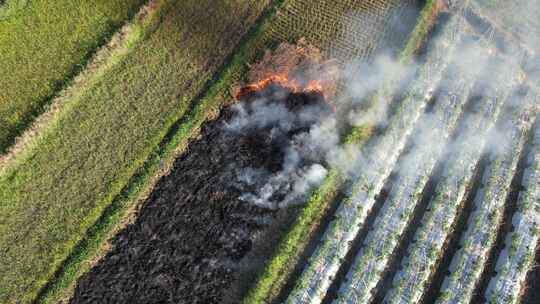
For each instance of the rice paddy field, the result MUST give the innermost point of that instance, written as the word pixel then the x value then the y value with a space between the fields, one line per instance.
pixel 43 45
pixel 130 173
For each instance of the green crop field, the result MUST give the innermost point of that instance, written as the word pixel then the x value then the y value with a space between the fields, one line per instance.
pixel 108 95
pixel 53 193
pixel 43 44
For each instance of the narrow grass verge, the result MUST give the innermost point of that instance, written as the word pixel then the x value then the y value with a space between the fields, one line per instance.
pixel 43 45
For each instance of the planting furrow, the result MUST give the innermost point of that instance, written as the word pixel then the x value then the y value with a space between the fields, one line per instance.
pixel 380 156
pixel 415 170
pixel 437 224
pixel 517 257
pixel 468 264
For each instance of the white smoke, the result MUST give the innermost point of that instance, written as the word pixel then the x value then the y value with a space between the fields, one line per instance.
pixel 302 168
pixel 322 144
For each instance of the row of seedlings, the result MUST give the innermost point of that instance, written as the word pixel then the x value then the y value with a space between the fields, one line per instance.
pixel 468 263
pixel 415 170
pixel 275 274
pixel 427 249
pixel 379 157
pixel 517 257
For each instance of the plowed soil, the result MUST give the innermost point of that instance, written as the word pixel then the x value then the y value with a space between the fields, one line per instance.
pixel 190 237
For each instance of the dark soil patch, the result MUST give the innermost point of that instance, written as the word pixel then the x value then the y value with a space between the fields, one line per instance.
pixel 532 291
pixel 190 236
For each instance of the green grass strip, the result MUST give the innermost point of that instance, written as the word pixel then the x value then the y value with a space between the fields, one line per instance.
pixel 288 254
pixel 43 45
pixel 418 37
pixel 58 189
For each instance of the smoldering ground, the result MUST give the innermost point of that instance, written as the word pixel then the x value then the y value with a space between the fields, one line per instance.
pixel 287 127
pixel 192 232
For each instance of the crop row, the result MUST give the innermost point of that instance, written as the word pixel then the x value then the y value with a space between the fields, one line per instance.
pixel 380 155
pixel 425 252
pixel 415 169
pixel 60 186
pixel 517 257
pixel 279 267
pixel 468 263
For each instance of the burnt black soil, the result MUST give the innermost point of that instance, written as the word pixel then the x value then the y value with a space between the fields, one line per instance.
pixel 532 292
pixel 188 241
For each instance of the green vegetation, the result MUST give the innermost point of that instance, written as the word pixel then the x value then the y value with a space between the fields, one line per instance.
pixel 344 29
pixel 279 267
pixel 43 44
pixel 57 189
pixel 262 37
pixel 417 38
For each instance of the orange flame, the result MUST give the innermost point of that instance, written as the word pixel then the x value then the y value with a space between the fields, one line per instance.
pixel 283 80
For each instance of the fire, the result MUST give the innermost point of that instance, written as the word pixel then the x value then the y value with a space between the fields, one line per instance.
pixel 283 80
pixel 314 86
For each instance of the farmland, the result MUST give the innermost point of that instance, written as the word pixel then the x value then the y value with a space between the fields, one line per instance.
pixel 53 41
pixel 370 277
pixel 146 87
pixel 163 167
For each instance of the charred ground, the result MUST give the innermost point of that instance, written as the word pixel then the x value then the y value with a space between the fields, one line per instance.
pixel 191 234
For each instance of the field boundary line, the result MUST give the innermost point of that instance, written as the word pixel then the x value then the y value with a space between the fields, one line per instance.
pixel 123 208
